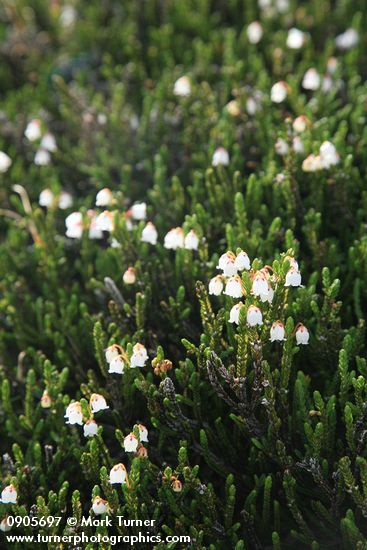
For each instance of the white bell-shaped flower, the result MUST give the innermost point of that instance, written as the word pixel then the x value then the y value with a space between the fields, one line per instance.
pixel 46 198
pixel 267 296
pixel 131 443
pixel 191 240
pixel 220 157
pixel 254 316
pixel 182 87
pixel 293 278
pixel 298 146
pixel 5 524
pixel 117 365
pixel 174 239
pixel 112 352
pixel 5 162
pixel 33 131
pixel 42 157
pixel 348 39
pixel 74 225
pixel 234 287
pixel 99 506
pixel 143 433
pixel 139 356
pixel 259 284
pixel 329 154
pixel 65 200
pixel 302 335
pixel 104 197
pixel 279 92
pixel 216 285
pixel 97 403
pixel 300 124
pixel 105 221
pixel 242 261
pixel 295 39
pixel 149 234
pixel 254 32
pixel 9 495
pixel 118 474
pixel 281 147
pixel 139 211
pixel 277 332
pixel 74 413
pixel 312 163
pixel 90 428
pixel 234 315
pixel 311 80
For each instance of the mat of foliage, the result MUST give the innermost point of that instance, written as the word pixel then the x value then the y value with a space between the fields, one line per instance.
pixel 252 443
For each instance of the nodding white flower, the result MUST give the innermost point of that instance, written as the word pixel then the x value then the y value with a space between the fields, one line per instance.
pixel 112 352
pixel 254 316
pixel 90 428
pixel 267 296
pixel 216 285
pixel 281 147
pixel 48 142
pixel 242 261
pixel 191 240
pixel 279 92
pixel 94 231
pixel 149 234
pixel 139 356
pixel 279 178
pixel 259 284
pixel 300 124
pixel 233 108
pixel 143 433
pixel 99 506
pixel 234 287
pixel 9 495
pixel 139 211
pixel 234 315
pixel 98 403
pixel 105 221
pixel 68 15
pixel 5 162
pixel 74 225
pixel 118 474
pixel 182 86
pixel 131 443
pixel 102 119
pixel 129 277
pixel 4 525
pixel 104 197
pixel 348 39
pixel 46 198
pixel 277 332
pixel 46 400
pixel 302 335
pixel 293 263
pixel 74 413
pixel 220 157
pixel 254 32
pixel 293 278
pixel 311 80
pixel 224 259
pixel 251 106
pixel 312 163
pixel 33 130
pixel 329 154
pixel 297 144
pixel 295 39
pixel 42 157
pixel 117 365
pixel 174 239
pixel 65 200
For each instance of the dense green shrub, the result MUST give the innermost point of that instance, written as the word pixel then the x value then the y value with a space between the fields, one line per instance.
pixel 252 443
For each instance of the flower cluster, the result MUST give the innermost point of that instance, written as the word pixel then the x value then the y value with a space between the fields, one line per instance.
pixel 327 157
pixel 176 238
pixel 118 360
pixel 35 132
pixel 74 414
pixel 264 284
